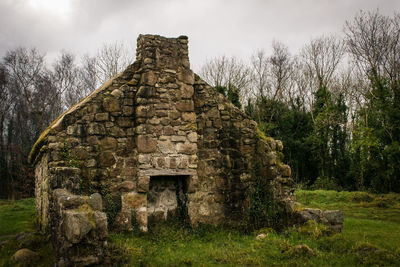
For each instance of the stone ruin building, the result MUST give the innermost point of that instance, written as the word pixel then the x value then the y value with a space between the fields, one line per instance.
pixel 154 141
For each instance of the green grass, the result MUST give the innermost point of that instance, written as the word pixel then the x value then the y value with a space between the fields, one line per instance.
pixel 368 217
pixel 18 218
pixel 370 237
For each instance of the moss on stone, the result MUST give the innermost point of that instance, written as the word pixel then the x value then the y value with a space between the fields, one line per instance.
pixel 261 135
pixel 43 136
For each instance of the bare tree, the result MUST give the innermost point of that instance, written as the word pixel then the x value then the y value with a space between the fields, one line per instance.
pixel 5 100
pixel 111 59
pixel 374 42
pixel 230 73
pixel 66 78
pixel 5 104
pixel 321 57
pixel 260 76
pixel 34 96
pixel 281 70
pixel 33 99
pixel 88 74
pixel 301 92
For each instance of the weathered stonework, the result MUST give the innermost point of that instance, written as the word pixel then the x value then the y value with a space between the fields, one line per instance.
pixel 79 228
pixel 154 141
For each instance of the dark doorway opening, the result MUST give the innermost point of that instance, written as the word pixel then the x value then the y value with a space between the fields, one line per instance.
pixel 167 199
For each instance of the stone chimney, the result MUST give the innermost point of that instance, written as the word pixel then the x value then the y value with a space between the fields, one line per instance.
pixel 157 52
pixel 166 128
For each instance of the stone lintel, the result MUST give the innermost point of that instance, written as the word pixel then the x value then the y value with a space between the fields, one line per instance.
pixel 169 172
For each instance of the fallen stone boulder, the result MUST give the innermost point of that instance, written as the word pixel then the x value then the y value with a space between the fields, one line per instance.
pixel 332 218
pixel 25 256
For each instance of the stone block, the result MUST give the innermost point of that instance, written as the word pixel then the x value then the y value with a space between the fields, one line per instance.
pixel 133 200
pixel 185 105
pixel 106 159
pixel 96 129
pixel 189 116
pixel 166 147
pixel 111 104
pixel 100 219
pixel 130 131
pixel 192 137
pixel 183 163
pixel 285 170
pixel 80 152
pixel 95 201
pixel 174 114
pixel 143 158
pixel 334 216
pixel 146 144
pixel 116 131
pixel 117 93
pixel 124 122
pixel 108 143
pixel 83 261
pixel 178 138
pixel 127 110
pixel 141 219
pixel 270 159
pixel 154 121
pixel 172 163
pixel 279 145
pixel 168 130
pixel 165 121
pixel 187 91
pixel 76 225
pixel 272 144
pixel 56 146
pixel 145 92
pixel 102 116
pixel 25 256
pixel 143 183
pixel 193 183
pixel 123 220
pixel 148 78
pixel 66 200
pixel 186 76
pixel 74 130
pixel 142 111
pixel 126 186
pixel 213 113
pixel 161 162
pixel 185 148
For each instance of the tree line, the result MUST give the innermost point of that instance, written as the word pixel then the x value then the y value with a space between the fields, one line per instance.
pixel 33 94
pixel 335 104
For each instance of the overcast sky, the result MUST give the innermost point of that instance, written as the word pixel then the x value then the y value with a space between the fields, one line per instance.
pixel 214 27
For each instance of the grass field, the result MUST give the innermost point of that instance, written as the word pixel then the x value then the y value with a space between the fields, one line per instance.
pixel 370 237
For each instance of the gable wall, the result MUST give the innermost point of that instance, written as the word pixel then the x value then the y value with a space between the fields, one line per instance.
pixel 157 118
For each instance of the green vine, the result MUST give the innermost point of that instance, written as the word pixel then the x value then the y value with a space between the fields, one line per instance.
pixel 264 210
pixel 71 160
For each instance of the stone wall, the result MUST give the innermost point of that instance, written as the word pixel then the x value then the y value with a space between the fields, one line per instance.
pixel 155 119
pixel 230 146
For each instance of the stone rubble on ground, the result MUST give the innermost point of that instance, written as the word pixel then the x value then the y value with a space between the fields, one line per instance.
pixel 25 256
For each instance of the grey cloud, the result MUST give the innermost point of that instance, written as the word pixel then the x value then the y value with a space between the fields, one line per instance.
pixel 214 27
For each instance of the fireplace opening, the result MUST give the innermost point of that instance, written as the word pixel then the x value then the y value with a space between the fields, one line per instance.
pixel 167 199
